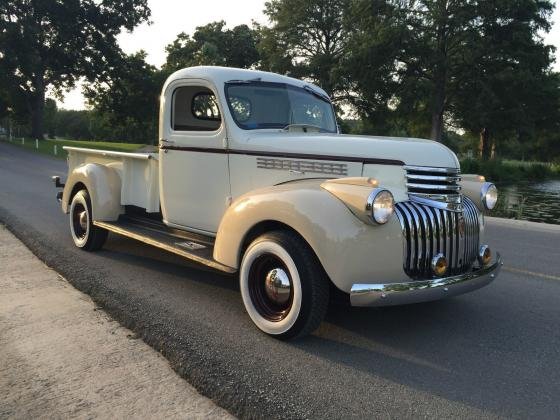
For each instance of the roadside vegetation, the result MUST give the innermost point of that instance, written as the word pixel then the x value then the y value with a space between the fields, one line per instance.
pixel 506 171
pixel 54 147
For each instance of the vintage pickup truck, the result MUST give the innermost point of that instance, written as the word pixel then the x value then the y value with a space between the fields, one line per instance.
pixel 253 176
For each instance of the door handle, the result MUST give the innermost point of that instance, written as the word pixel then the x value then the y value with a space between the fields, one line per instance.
pixel 166 141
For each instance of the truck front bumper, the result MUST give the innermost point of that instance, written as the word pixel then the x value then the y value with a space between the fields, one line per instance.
pixel 423 290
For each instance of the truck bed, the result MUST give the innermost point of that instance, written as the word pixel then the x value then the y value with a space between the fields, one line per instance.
pixel 139 173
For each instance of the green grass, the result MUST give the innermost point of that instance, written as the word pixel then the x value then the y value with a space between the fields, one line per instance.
pixel 47 146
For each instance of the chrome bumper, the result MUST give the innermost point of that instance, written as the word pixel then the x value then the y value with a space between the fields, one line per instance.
pixel 423 290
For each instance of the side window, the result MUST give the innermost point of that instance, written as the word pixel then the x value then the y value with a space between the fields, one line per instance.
pixel 205 107
pixel 195 108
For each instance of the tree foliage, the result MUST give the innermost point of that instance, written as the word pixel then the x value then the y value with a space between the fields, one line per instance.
pixel 49 44
pixel 128 100
pixel 463 72
pixel 307 39
pixel 508 90
pixel 213 45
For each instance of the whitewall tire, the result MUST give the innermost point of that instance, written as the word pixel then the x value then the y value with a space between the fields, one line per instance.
pixel 284 288
pixel 84 233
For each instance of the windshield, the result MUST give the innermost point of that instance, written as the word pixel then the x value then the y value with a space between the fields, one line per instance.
pixel 256 104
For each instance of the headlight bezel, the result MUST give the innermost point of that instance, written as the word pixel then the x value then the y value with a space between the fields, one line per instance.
pixel 484 191
pixel 371 209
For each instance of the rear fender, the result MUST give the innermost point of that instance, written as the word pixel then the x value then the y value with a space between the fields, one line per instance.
pixel 104 187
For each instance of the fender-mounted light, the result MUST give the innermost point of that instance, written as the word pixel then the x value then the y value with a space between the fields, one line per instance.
pixel 381 204
pixel 484 255
pixel 439 265
pixel 489 195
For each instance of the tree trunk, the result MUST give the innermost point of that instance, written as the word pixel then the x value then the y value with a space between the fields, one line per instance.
pixel 485 144
pixel 437 126
pixel 438 102
pixel 38 109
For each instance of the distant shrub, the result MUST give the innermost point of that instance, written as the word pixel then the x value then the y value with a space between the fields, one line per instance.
pixel 509 171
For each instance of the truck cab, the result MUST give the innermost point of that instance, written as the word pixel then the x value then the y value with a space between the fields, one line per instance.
pixel 214 123
pixel 253 176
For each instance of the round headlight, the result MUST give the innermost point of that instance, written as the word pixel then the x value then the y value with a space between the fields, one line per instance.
pixel 381 204
pixel 489 195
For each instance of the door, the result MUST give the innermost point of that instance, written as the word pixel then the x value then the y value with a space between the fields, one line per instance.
pixel 194 175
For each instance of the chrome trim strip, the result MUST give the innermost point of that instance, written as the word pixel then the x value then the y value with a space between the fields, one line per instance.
pixel 434 178
pixel 431 169
pixel 445 198
pixel 438 187
pixel 423 291
pixel 444 205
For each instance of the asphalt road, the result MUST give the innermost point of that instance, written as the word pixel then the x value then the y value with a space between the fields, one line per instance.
pixel 492 353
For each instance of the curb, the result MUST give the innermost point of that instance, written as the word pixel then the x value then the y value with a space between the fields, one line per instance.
pixel 523 224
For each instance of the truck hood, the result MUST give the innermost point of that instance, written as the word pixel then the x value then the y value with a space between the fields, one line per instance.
pixel 409 151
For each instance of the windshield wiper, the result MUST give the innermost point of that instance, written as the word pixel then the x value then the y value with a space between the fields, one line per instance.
pixel 304 127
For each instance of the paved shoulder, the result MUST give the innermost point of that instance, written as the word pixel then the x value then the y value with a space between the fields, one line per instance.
pixel 61 357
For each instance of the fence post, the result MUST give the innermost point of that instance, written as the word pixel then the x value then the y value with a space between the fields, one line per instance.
pixel 55 151
pixel 36 143
pixel 22 141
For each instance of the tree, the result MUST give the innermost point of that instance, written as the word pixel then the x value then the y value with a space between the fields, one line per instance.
pixel 369 65
pixel 508 90
pixel 51 111
pixel 211 44
pixel 74 124
pixel 307 40
pixel 128 98
pixel 50 44
pixel 434 56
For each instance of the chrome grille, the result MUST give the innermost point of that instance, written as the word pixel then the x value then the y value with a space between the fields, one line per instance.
pixel 429 231
pixel 435 185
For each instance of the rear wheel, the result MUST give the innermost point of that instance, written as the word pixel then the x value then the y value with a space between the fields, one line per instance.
pixel 84 233
pixel 283 286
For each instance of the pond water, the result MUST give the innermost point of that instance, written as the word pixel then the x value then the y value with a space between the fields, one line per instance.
pixel 534 201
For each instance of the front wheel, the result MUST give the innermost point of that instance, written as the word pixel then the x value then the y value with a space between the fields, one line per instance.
pixel 284 287
pixel 84 233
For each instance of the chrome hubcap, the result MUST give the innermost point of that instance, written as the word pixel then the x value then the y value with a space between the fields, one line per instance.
pixel 270 287
pixel 278 286
pixel 83 220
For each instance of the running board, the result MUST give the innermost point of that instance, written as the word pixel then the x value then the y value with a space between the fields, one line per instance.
pixel 187 246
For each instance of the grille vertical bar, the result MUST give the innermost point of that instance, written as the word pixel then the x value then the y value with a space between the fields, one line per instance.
pixel 428 231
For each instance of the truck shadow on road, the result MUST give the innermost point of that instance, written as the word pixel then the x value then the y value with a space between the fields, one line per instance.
pixel 461 349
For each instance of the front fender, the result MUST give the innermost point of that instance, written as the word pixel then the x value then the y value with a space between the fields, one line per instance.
pixel 350 250
pixel 104 186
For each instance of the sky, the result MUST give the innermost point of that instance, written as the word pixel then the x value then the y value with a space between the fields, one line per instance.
pixel 171 17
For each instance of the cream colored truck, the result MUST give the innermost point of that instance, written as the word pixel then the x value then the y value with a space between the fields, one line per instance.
pixel 252 176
